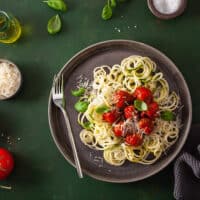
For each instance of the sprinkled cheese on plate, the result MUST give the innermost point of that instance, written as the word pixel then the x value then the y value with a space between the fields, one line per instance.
pixel 10 79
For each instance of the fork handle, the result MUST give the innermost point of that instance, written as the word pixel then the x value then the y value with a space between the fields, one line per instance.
pixel 73 145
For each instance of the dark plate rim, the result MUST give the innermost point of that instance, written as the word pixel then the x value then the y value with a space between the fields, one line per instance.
pixel 178 149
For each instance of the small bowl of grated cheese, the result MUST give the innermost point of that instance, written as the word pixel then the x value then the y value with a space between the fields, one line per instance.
pixel 10 79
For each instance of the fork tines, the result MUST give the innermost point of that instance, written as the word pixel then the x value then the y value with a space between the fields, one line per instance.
pixel 58 84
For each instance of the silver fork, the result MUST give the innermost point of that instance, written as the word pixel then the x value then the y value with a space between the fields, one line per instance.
pixel 58 99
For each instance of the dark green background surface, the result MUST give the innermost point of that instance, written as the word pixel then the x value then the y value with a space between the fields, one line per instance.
pixel 41 172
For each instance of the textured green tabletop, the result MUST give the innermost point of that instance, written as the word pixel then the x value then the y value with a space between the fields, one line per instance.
pixel 41 172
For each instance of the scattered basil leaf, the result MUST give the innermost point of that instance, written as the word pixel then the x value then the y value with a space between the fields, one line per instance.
pixel 54 24
pixel 81 106
pixel 57 4
pixel 79 92
pixel 102 109
pixel 106 12
pixel 140 105
pixel 113 3
pixel 167 115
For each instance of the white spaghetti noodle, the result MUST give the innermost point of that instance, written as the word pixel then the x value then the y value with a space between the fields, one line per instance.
pixel 134 71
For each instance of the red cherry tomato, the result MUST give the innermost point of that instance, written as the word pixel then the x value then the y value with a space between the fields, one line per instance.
pixel 129 112
pixel 143 94
pixel 118 129
pixel 111 116
pixel 146 125
pixel 6 163
pixel 152 110
pixel 134 139
pixel 122 98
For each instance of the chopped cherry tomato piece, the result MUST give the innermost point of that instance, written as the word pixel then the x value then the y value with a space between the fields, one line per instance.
pixel 122 98
pixel 143 94
pixel 6 163
pixel 152 110
pixel 146 125
pixel 129 112
pixel 118 129
pixel 134 139
pixel 111 116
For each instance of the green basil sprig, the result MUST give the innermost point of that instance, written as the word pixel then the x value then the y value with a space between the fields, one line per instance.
pixel 57 4
pixel 102 109
pixel 140 105
pixel 79 92
pixel 54 24
pixel 167 115
pixel 81 106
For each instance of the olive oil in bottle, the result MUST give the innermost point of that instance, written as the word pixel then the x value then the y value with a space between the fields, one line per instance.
pixel 10 29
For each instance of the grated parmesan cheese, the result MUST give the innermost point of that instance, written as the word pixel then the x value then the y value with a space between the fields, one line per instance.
pixel 10 79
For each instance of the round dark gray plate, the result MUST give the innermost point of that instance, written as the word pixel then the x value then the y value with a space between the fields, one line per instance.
pixel 83 63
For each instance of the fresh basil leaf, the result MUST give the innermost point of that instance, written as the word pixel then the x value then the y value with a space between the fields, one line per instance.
pixel 54 24
pixel 106 12
pixel 81 106
pixel 57 4
pixel 113 3
pixel 167 115
pixel 79 92
pixel 140 105
pixel 87 125
pixel 102 109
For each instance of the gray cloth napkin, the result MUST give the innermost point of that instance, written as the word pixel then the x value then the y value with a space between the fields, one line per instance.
pixel 187 168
